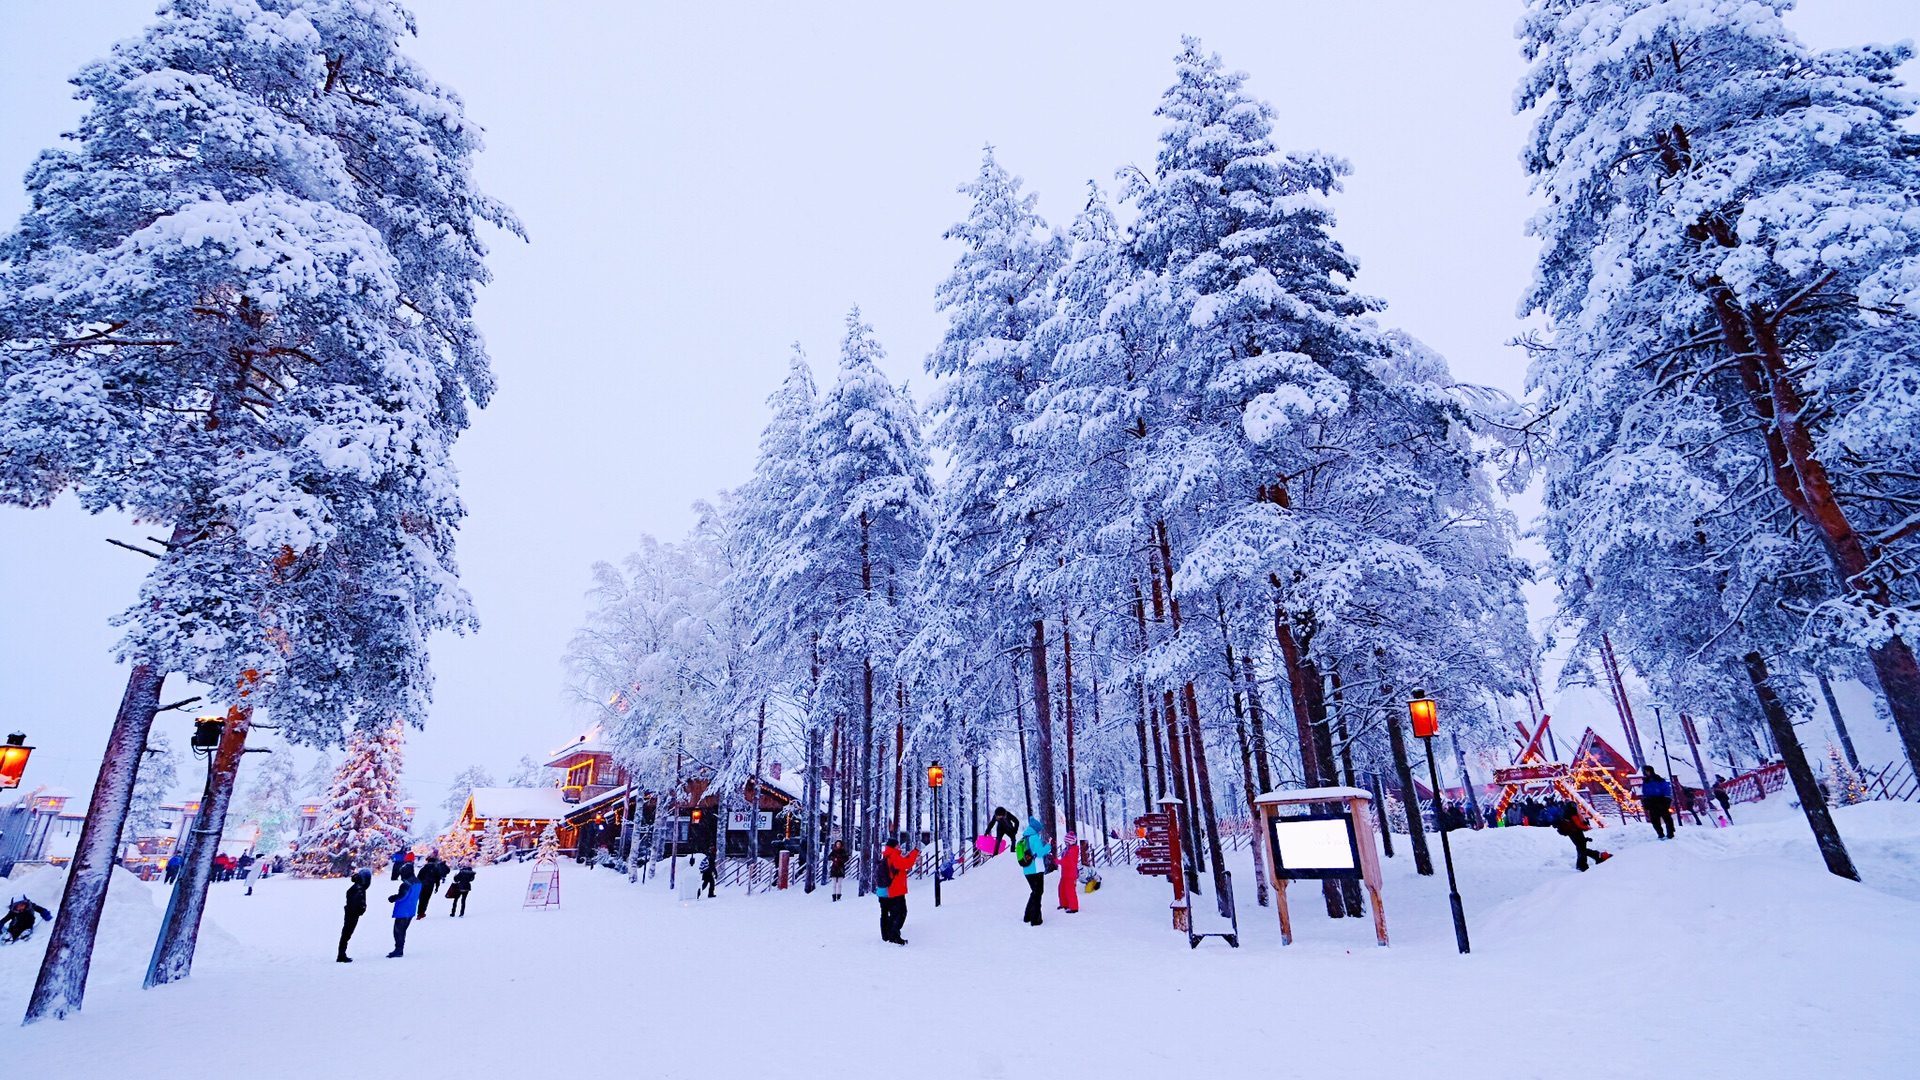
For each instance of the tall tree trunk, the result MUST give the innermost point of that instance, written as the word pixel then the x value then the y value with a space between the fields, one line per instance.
pixel 1297 686
pixel 1752 337
pixel 1176 767
pixel 1347 888
pixel 1020 729
pixel 899 747
pixel 1812 802
pixel 62 982
pixel 1197 738
pixel 753 797
pixel 810 837
pixel 1072 775
pixel 1839 724
pixel 1043 733
pixel 180 927
pixel 1140 722
pixel 1620 703
pixel 865 807
pixel 1409 795
pixel 1253 815
pixel 1263 767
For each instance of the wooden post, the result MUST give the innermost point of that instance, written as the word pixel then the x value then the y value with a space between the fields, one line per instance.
pixel 1181 916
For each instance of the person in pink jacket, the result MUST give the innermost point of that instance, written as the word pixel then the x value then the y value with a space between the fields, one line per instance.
pixel 1070 874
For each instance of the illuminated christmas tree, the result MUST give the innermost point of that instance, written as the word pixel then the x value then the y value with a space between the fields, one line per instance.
pixel 548 849
pixel 493 844
pixel 360 822
pixel 1847 786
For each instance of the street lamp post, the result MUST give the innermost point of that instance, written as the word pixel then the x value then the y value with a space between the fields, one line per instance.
pixel 936 776
pixel 1425 713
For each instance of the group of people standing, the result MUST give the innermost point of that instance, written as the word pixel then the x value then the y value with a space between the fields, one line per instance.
pixel 410 897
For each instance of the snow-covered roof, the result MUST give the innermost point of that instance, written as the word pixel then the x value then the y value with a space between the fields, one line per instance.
pixel 590 743
pixel 1312 794
pixel 523 803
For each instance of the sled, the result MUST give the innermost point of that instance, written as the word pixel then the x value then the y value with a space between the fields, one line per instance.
pixel 990 845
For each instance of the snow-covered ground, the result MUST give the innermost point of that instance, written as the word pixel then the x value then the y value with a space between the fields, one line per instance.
pixel 1724 953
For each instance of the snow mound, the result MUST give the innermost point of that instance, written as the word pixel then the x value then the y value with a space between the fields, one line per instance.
pixel 124 945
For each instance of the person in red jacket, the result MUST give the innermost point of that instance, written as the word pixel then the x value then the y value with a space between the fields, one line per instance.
pixel 894 864
pixel 1070 875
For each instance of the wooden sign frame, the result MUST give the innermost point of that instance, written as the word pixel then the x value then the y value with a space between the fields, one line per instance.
pixel 1360 826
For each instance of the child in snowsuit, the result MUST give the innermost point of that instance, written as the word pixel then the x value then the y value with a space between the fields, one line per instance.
pixel 18 925
pixel 837 866
pixel 457 892
pixel 1571 827
pixel 1070 875
pixel 1031 852
pixel 709 880
pixel 1657 796
pixel 406 904
pixel 356 907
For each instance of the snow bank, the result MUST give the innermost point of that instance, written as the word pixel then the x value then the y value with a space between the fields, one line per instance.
pixel 128 926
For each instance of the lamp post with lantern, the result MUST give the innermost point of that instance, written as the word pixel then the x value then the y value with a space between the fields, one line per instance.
pixel 13 760
pixel 1425 713
pixel 936 776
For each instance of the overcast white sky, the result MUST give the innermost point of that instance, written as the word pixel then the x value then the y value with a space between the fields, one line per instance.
pixel 706 183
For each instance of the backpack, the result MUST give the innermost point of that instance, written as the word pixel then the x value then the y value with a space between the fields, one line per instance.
pixel 1022 853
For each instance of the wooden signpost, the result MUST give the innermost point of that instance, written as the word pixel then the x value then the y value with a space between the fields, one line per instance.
pixel 1321 844
pixel 1159 854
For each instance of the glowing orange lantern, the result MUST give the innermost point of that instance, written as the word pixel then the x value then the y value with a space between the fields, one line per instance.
pixel 1426 715
pixel 13 760
pixel 936 775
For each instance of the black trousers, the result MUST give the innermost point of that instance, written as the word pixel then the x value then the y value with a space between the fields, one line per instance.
pixel 459 905
pixel 1660 816
pixel 1582 852
pixel 1037 883
pixel 426 894
pixel 346 930
pixel 400 935
pixel 893 916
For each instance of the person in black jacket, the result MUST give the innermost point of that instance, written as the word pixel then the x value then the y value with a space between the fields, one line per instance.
pixel 457 892
pixel 356 907
pixel 18 922
pixel 837 866
pixel 431 875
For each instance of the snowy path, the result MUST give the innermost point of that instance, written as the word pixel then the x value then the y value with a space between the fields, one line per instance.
pixel 1770 967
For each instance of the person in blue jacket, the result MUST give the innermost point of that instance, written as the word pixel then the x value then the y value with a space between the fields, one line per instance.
pixel 1031 852
pixel 406 904
pixel 1657 796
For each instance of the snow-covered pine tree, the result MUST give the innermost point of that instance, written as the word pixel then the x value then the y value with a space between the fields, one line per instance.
pixel 159 772
pixel 272 801
pixel 547 848
pixel 861 534
pixel 990 559
pixel 530 773
pixel 268 351
pixel 1731 261
pixel 361 822
pixel 318 777
pixel 460 787
pixel 493 843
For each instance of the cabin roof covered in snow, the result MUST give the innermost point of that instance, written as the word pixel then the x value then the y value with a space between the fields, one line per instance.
pixel 1312 794
pixel 590 743
pixel 530 804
